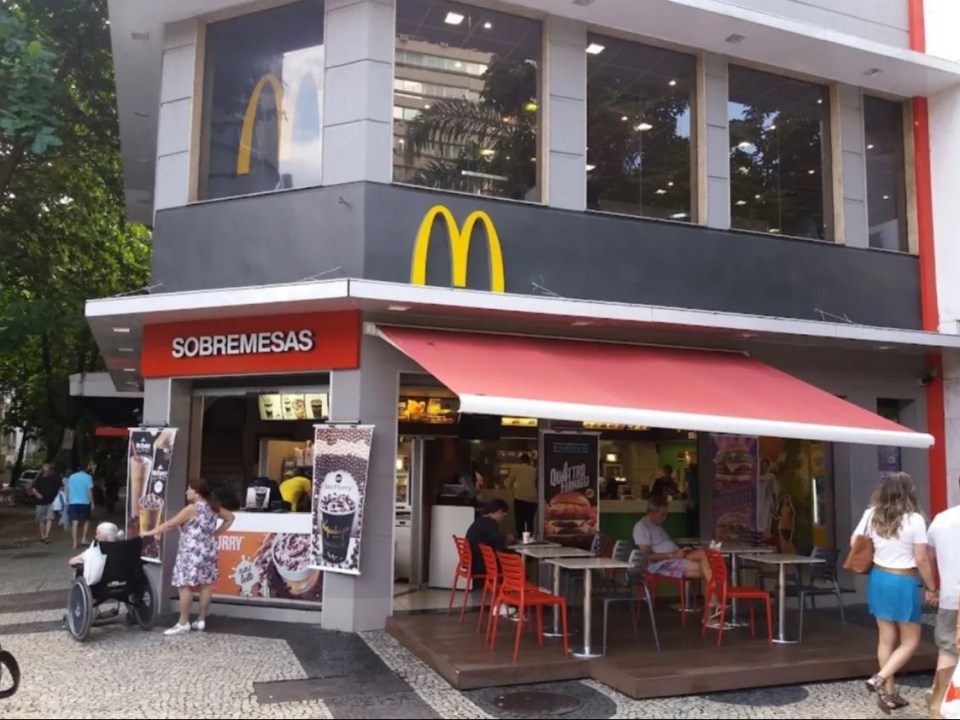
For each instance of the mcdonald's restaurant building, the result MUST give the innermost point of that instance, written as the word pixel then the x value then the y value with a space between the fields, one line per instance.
pixel 468 223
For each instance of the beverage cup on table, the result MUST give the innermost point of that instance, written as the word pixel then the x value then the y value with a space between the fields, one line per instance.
pixel 337 512
pixel 261 494
pixel 527 537
pixel 150 509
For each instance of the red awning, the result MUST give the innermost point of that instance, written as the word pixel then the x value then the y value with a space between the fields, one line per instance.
pixel 722 392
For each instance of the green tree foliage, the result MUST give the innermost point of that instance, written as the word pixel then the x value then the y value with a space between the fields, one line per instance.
pixel 63 231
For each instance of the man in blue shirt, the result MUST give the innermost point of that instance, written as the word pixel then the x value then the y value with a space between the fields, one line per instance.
pixel 79 503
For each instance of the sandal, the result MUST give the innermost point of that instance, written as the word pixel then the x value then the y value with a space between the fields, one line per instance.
pixel 874 684
pixel 889 702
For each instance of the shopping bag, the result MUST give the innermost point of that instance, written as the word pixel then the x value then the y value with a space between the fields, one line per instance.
pixel 58 502
pixel 950 707
pixel 94 562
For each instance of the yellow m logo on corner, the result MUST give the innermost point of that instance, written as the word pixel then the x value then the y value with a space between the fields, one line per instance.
pixel 459 248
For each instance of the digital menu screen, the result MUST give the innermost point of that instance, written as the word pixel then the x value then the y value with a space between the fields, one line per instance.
pixel 294 406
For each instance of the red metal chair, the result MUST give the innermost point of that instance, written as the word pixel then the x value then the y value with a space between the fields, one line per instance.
pixel 654 580
pixel 491 583
pixel 463 571
pixel 516 592
pixel 719 587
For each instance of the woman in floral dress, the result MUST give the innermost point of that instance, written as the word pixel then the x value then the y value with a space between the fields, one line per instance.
pixel 196 564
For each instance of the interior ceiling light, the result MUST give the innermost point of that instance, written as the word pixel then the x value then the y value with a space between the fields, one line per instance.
pixel 591 168
pixel 487 25
pixel 870 146
pixel 121 330
pixel 661 191
pixel 741 202
pixel 595 48
pixel 873 71
pixel 672 83
pixel 678 216
pixel 735 38
pixel 453 18
pixel 583 3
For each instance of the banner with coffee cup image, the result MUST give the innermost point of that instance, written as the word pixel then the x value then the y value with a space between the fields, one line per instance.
pixel 149 454
pixel 340 464
pixel 569 487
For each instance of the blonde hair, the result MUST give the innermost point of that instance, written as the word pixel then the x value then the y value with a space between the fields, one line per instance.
pixel 108 531
pixel 892 502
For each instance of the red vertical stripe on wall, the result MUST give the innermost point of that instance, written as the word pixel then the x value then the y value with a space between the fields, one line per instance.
pixel 936 411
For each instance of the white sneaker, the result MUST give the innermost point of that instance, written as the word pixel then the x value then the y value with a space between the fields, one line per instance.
pixel 199 625
pixel 178 629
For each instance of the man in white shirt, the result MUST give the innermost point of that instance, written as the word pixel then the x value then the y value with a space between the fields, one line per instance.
pixel 664 555
pixel 523 479
pixel 943 539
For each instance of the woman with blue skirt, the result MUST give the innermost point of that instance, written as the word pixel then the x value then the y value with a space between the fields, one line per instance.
pixel 900 562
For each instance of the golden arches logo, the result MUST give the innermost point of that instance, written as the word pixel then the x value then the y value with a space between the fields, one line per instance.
pixel 285 116
pixel 459 248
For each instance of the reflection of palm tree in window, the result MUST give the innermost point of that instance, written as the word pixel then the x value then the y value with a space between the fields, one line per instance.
pixel 486 146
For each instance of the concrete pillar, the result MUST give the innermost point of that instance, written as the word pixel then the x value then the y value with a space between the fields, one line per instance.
pixel 176 155
pixel 855 230
pixel 166 402
pixel 564 100
pixel 951 396
pixel 368 395
pixel 358 91
pixel 715 210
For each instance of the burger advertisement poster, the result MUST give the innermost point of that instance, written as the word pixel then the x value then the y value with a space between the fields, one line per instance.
pixel 340 463
pixel 735 482
pixel 570 484
pixel 149 455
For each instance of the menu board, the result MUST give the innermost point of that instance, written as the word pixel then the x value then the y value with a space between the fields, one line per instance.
pixel 435 411
pixel 614 426
pixel 294 406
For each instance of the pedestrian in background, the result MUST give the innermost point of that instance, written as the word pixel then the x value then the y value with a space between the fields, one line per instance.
pixel 899 534
pixel 45 489
pixel 80 503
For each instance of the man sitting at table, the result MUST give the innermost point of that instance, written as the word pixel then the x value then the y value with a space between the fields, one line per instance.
pixel 485 530
pixel 664 555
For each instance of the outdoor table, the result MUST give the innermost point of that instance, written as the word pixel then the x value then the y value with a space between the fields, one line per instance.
pixel 517 547
pixel 535 552
pixel 691 542
pixel 588 565
pixel 736 550
pixel 781 561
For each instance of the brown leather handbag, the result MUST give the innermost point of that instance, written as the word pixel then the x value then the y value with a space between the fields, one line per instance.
pixel 860 557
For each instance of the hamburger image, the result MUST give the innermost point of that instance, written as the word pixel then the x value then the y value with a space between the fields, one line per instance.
pixel 734 461
pixel 570 514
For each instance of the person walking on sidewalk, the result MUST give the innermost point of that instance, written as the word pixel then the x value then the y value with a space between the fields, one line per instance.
pixel 196 564
pixel 899 535
pixel 943 539
pixel 80 503
pixel 45 489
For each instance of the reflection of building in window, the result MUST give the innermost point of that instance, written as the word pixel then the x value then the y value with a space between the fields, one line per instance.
pixel 779 154
pixel 639 101
pixel 466 104
pixel 886 173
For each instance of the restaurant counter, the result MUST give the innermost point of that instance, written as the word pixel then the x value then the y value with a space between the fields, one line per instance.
pixel 617 518
pixel 265 557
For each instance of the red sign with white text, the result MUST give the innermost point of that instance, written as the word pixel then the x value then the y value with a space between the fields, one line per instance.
pixel 253 345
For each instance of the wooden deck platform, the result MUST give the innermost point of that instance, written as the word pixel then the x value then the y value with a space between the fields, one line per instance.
pixel 687 665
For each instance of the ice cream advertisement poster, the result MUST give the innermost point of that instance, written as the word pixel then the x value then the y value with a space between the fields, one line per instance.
pixel 275 566
pixel 149 455
pixel 340 464
pixel 735 478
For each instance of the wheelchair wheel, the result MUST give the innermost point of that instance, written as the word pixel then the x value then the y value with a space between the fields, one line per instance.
pixel 9 675
pixel 80 610
pixel 144 608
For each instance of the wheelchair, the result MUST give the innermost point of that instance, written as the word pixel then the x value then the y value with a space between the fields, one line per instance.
pixel 124 582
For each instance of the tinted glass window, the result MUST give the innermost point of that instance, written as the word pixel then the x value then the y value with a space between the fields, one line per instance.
pixel 886 173
pixel 466 99
pixel 263 98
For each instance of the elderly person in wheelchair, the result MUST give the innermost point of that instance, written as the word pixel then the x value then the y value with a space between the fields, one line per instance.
pixel 123 582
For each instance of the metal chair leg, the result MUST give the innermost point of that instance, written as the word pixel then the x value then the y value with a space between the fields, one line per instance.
pixel 843 618
pixel 802 602
pixel 606 610
pixel 653 620
pixel 633 619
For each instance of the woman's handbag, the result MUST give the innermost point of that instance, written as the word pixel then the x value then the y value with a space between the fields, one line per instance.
pixel 860 557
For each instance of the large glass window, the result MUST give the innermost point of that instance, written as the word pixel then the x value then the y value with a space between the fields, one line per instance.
pixel 779 154
pixel 886 174
pixel 639 110
pixel 263 99
pixel 466 99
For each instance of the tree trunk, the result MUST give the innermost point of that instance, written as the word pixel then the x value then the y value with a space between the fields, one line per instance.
pixel 18 465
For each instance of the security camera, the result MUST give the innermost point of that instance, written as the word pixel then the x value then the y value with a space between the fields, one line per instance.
pixel 928 377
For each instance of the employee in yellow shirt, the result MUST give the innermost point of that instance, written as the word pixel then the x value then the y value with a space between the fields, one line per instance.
pixel 293 490
pixel 523 479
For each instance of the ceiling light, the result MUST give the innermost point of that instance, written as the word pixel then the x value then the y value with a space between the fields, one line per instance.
pixel 487 152
pixel 820 101
pixel 811 172
pixel 121 330
pixel 125 349
pixel 670 184
pixel 773 230
pixel 140 35
pixel 398 308
pixel 756 197
pixel 487 25
pixel 624 118
pixel 870 146
pixel 678 216
pixel 427 106
pixel 140 114
pixel 595 48
pixel 735 38
pixel 661 191
pixel 583 3
pixel 884 347
pixel 130 370
pixel 591 168
pixel 741 202
pixel 873 71
pixel 672 83
pixel 453 18
pixel 643 127
pixel 581 323
pixel 886 197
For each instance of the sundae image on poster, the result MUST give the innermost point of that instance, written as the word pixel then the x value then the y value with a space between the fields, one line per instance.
pixel 735 486
pixel 570 472
pixel 340 464
pixel 150 453
pixel 267 565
